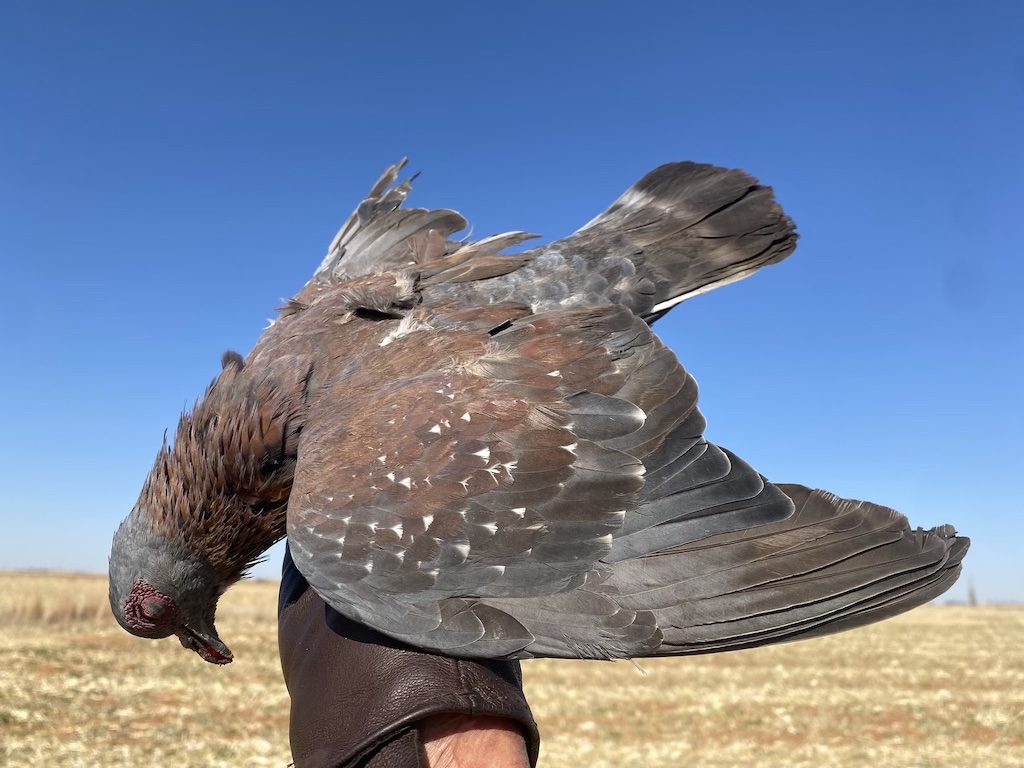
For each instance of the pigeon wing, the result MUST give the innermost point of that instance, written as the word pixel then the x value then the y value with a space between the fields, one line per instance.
pixel 473 468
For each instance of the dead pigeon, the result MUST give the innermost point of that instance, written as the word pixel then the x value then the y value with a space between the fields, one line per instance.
pixel 491 454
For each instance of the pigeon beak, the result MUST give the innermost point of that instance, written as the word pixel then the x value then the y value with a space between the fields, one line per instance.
pixel 206 644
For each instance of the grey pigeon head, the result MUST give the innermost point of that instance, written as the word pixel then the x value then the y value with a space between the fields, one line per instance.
pixel 158 590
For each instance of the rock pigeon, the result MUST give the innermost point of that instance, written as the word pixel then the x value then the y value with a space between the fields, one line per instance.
pixel 491 454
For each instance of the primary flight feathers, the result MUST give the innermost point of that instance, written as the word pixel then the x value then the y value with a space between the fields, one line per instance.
pixel 492 454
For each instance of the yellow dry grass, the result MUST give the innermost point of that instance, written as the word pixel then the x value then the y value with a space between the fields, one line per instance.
pixel 941 686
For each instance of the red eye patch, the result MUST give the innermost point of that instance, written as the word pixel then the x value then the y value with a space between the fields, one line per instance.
pixel 147 609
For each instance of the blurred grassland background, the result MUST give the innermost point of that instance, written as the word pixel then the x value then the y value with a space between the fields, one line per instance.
pixel 941 686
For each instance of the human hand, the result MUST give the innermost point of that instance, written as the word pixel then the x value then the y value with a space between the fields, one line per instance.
pixel 464 741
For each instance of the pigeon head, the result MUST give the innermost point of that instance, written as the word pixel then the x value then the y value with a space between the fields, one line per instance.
pixel 214 501
pixel 157 590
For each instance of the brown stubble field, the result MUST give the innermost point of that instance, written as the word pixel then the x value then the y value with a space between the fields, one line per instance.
pixel 942 686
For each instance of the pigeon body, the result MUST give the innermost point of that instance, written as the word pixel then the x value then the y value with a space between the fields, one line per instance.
pixel 493 455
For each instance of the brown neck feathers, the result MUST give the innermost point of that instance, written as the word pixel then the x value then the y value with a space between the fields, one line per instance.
pixel 222 487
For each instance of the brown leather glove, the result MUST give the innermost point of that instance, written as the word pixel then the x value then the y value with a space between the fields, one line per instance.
pixel 358 696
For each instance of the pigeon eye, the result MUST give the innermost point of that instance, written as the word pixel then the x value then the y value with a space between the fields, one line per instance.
pixel 153 610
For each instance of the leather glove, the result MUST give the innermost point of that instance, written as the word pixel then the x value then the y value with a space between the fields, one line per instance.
pixel 358 697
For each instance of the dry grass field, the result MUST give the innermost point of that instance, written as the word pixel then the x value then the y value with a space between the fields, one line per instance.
pixel 942 686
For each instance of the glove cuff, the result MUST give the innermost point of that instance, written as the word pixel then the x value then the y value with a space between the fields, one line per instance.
pixel 357 695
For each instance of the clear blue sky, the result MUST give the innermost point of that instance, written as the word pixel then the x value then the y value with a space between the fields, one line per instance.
pixel 169 171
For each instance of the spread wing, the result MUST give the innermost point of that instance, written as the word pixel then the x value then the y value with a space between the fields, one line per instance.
pixel 498 459
pixel 486 478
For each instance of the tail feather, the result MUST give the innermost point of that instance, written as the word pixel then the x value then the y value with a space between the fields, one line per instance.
pixel 690 228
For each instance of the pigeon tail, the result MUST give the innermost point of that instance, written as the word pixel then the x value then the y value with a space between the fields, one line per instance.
pixel 689 228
